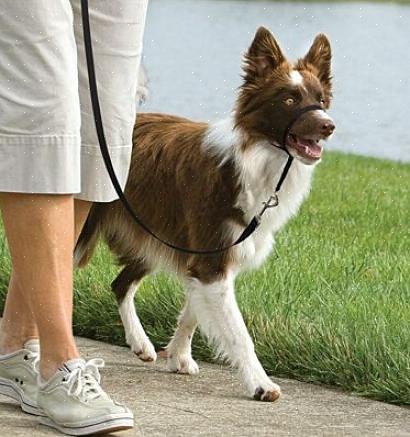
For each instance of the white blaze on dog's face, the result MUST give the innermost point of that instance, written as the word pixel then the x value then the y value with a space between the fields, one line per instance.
pixel 274 91
pixel 296 78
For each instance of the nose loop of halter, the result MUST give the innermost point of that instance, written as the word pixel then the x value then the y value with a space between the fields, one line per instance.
pixel 294 119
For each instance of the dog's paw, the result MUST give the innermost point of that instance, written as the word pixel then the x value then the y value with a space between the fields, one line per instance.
pixel 182 364
pixel 144 350
pixel 269 393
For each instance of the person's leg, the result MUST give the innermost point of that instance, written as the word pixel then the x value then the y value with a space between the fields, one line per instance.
pixel 117 29
pixel 18 324
pixel 43 260
pixel 39 143
pixel 42 264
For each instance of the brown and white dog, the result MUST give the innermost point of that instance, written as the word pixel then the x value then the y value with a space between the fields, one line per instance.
pixel 198 185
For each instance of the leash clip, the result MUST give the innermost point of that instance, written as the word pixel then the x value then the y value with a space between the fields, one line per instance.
pixel 270 203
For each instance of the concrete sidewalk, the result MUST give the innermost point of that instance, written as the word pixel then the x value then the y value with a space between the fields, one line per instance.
pixel 212 404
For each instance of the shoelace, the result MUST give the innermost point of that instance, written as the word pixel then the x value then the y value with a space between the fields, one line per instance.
pixel 84 381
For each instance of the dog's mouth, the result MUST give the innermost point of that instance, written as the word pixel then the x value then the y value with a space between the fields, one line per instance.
pixel 307 148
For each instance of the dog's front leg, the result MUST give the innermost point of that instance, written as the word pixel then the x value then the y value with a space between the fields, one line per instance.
pixel 179 358
pixel 220 319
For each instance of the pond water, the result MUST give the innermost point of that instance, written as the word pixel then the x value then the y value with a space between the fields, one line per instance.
pixel 193 52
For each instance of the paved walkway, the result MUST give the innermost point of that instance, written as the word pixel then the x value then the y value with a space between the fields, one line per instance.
pixel 212 404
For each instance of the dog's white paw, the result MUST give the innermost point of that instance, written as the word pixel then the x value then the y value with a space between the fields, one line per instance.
pixel 182 364
pixel 143 349
pixel 267 392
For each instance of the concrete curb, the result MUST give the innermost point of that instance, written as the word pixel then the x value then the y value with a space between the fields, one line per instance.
pixel 212 404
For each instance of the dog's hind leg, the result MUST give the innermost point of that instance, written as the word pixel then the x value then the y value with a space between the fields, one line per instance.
pixel 179 348
pixel 219 317
pixel 125 287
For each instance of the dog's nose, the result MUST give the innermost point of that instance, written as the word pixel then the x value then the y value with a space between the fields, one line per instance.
pixel 328 128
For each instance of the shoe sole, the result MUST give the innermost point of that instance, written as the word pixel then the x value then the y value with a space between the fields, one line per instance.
pixel 106 426
pixel 7 388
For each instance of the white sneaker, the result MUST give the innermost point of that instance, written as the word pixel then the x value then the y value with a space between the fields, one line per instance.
pixel 18 376
pixel 75 403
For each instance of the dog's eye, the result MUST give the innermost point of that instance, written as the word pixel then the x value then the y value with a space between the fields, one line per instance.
pixel 289 101
pixel 322 102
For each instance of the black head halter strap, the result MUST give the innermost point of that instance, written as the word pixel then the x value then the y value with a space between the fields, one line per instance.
pixel 283 146
pixel 249 230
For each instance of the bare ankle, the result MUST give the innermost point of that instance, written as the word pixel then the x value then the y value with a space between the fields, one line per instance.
pixel 49 366
pixel 47 370
pixel 10 344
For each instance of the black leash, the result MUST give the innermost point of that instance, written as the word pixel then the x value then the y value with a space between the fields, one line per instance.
pixel 255 222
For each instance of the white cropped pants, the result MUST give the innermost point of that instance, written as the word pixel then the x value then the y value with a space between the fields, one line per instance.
pixel 48 142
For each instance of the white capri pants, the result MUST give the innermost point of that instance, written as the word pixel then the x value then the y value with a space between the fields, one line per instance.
pixel 48 142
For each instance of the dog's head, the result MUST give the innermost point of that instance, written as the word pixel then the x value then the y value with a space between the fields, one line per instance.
pixel 275 90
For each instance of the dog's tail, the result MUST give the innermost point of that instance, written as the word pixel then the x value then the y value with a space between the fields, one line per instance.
pixel 87 240
pixel 142 85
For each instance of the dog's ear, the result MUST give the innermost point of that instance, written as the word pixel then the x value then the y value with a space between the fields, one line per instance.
pixel 263 56
pixel 320 56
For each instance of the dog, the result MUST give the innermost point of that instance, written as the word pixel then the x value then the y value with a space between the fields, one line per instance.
pixel 198 185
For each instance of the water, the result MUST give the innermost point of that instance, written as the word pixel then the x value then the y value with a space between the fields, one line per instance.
pixel 193 52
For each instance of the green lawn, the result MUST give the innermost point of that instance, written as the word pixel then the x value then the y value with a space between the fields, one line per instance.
pixel 331 305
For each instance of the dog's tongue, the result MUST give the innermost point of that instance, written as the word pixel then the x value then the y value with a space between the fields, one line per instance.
pixel 310 148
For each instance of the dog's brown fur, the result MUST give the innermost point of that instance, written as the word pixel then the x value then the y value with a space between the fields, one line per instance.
pixel 163 187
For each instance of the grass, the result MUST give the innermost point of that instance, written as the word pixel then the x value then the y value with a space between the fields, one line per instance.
pixel 332 304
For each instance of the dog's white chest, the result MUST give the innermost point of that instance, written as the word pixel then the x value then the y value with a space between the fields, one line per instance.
pixel 260 174
pixel 259 169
